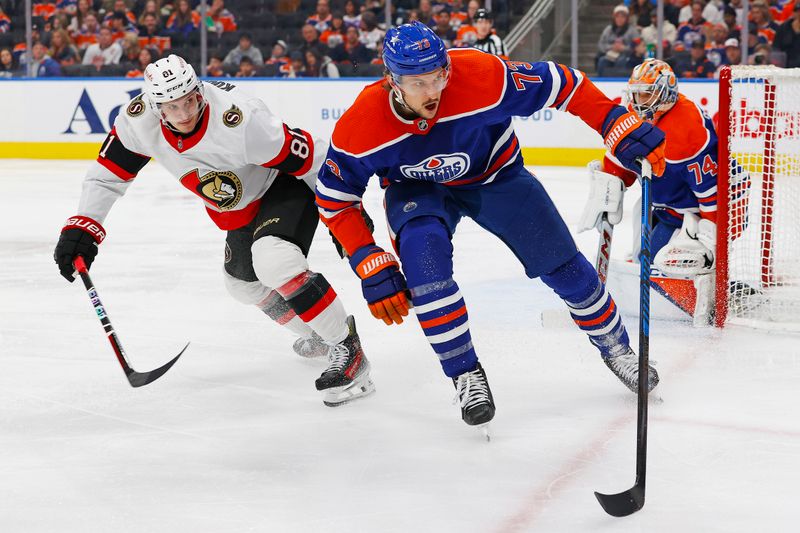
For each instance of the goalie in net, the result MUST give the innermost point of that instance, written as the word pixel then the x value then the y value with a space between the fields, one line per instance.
pixel 683 237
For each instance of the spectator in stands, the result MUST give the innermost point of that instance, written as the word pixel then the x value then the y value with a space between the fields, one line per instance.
pixel 319 66
pixel 425 13
pixel 183 20
pixel 467 34
pixel 310 39
pixel 297 65
pixel 357 53
pixel 487 40
pixel 144 58
pixel 698 65
pixel 637 55
pixel 5 22
pixel 761 56
pixel 130 48
pixel 150 34
pixel 371 34
pixel 352 14
pixel 649 33
pixel 44 9
pixel 708 11
pixel 9 67
pixel 246 68
pixel 715 49
pixel 733 55
pixel 245 49
pixel 62 49
pixel 617 37
pixel 120 26
pixel 729 19
pixel 641 10
pixel 151 7
pixel 104 51
pixel 458 14
pixel 120 6
pixel 787 38
pixel 91 30
pixel 279 54
pixel 334 35
pixel 222 18
pixel 762 18
pixel 43 65
pixel 215 67
pixel 442 28
pixel 696 28
pixel 76 21
pixel 321 19
pixel 753 38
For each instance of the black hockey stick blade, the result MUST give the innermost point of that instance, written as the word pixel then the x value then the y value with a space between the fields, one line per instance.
pixel 624 503
pixel 137 379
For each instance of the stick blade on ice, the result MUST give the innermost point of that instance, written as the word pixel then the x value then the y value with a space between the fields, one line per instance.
pixel 624 503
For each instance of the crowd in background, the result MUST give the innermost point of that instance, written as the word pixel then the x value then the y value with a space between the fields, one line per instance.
pixel 700 36
pixel 246 38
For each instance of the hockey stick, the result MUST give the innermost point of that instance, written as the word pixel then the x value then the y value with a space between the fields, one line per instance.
pixel 136 379
pixel 604 248
pixel 631 500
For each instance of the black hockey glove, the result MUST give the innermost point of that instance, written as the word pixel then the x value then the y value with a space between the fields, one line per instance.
pixel 338 245
pixel 79 236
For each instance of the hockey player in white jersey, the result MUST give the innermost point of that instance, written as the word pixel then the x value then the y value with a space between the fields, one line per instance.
pixel 256 177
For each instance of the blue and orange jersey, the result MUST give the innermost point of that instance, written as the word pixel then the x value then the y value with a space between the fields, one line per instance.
pixel 5 23
pixel 470 142
pixel 689 183
pixel 44 9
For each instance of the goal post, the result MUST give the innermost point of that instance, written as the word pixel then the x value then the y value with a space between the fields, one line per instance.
pixel 758 198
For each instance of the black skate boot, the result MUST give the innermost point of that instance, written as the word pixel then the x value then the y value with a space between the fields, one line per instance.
pixel 347 376
pixel 626 367
pixel 474 397
pixel 311 347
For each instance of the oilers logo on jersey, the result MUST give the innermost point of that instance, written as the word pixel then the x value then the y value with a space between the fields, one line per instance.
pixel 439 168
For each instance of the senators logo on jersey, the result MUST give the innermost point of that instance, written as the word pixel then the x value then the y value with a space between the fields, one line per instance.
pixel 136 107
pixel 232 117
pixel 224 188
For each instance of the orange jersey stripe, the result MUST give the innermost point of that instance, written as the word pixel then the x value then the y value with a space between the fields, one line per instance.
pixel 444 319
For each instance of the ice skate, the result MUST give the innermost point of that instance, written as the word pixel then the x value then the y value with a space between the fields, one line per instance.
pixel 475 399
pixel 626 367
pixel 347 376
pixel 311 347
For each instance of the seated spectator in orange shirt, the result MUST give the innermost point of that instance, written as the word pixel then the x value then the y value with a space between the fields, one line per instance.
pixel 183 20
pixel 222 18
pixel 121 26
pixel 44 9
pixel 321 20
pixel 144 58
pixel 334 35
pixel 761 16
pixel 151 35
pixel 458 15
pixel 88 35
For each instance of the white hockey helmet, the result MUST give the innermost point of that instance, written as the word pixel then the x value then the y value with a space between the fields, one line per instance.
pixel 168 79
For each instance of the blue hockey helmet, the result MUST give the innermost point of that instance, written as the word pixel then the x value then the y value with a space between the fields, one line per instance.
pixel 413 49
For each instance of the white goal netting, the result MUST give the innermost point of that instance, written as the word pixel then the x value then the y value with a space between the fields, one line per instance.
pixel 762 140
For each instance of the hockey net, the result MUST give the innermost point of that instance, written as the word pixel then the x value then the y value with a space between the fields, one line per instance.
pixel 758 244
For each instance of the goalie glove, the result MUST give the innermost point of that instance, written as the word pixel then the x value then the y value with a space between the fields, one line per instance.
pixel 691 251
pixel 606 193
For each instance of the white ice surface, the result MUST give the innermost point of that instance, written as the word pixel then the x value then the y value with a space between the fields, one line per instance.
pixel 235 438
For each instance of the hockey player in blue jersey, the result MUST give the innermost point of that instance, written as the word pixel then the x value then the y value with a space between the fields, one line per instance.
pixel 683 238
pixel 437 131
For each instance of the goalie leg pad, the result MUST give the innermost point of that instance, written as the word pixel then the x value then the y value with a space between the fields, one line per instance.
pixel 687 255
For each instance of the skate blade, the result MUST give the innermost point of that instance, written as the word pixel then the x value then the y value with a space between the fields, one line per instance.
pixel 355 391
pixel 485 431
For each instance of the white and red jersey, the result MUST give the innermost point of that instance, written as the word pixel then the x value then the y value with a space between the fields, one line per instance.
pixel 229 161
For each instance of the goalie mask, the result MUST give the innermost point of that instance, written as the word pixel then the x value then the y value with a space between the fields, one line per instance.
pixel 173 91
pixel 652 89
